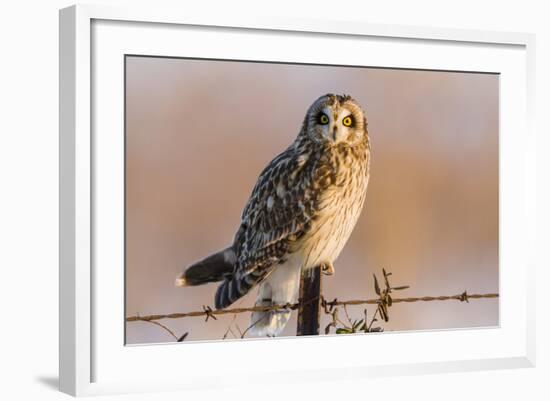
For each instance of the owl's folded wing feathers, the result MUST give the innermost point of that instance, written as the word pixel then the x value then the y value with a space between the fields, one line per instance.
pixel 279 212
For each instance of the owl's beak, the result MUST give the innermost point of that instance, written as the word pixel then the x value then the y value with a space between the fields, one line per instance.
pixel 334 134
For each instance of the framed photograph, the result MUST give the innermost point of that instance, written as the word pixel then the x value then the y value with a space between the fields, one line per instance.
pixel 306 199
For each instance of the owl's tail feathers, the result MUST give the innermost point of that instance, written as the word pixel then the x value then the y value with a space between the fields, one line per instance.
pixel 236 286
pixel 215 267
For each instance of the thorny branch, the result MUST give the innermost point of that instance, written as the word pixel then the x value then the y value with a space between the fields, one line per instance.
pixel 383 302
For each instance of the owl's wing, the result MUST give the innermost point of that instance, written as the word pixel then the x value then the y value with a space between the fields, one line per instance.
pixel 279 212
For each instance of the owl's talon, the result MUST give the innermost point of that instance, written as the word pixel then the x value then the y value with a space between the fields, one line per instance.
pixel 327 269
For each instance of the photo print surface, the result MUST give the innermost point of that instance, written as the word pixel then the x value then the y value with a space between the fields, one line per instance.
pixel 243 179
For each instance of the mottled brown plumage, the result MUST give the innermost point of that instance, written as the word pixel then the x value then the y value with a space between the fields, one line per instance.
pixel 300 213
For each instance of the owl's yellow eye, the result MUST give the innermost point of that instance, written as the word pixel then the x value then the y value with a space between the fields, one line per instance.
pixel 323 119
pixel 347 121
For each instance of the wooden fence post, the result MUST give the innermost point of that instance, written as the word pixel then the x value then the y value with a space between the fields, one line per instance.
pixel 310 302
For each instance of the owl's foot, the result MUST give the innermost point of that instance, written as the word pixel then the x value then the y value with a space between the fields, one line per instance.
pixel 327 269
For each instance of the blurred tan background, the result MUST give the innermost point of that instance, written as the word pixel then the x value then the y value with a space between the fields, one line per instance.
pixel 199 132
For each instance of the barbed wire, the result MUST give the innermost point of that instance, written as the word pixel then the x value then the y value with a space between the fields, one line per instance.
pixel 208 312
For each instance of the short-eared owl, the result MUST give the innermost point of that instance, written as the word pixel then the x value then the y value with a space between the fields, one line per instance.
pixel 300 214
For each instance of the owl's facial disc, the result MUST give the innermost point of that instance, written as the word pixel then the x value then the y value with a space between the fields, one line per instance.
pixel 336 124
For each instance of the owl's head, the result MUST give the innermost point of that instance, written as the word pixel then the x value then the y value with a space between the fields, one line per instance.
pixel 334 119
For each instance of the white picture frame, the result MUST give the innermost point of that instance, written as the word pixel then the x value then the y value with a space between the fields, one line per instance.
pixel 93 358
